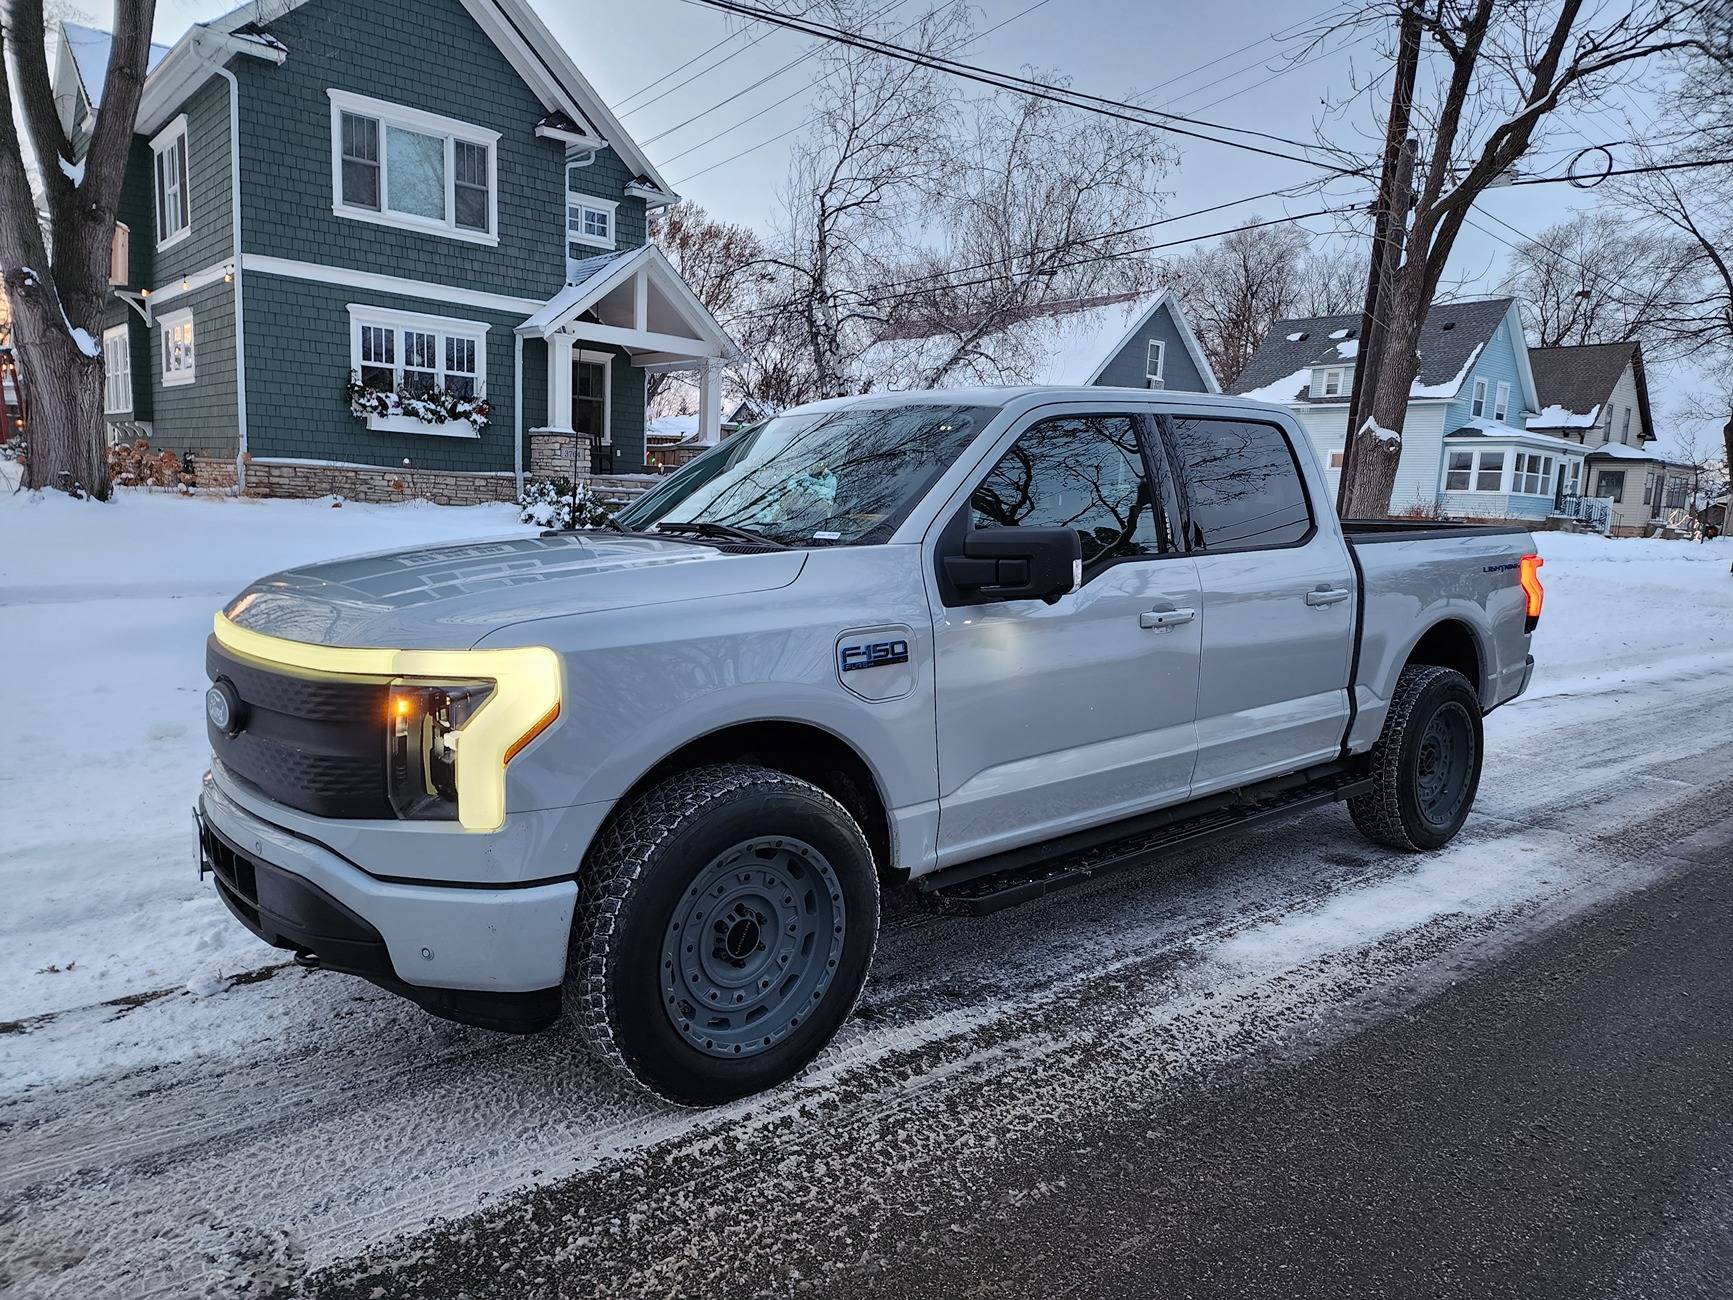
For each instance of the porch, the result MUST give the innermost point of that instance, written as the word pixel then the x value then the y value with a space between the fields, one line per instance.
pixel 622 317
pixel 1497 471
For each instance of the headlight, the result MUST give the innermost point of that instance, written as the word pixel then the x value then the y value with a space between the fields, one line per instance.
pixel 422 732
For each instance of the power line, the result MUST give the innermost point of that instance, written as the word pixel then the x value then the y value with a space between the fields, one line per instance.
pixel 795 94
pixel 1028 86
pixel 880 298
pixel 769 76
pixel 620 108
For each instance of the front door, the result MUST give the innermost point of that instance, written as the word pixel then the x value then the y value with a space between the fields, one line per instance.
pixel 1054 717
pixel 590 408
pixel 1277 603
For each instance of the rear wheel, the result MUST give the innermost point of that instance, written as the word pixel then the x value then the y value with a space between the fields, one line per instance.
pixel 1425 767
pixel 727 921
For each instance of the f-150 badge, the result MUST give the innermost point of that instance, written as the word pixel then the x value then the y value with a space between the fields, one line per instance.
pixel 874 654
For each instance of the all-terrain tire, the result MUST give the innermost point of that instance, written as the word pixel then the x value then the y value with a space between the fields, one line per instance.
pixel 654 866
pixel 1434 721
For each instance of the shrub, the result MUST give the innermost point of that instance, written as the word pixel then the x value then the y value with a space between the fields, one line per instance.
pixel 134 464
pixel 559 503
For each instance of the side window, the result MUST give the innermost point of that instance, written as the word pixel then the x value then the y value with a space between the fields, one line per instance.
pixel 1242 484
pixel 1084 472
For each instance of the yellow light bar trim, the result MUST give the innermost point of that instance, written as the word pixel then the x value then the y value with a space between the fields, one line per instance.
pixel 526 700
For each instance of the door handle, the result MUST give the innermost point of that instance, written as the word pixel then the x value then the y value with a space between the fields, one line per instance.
pixel 1165 617
pixel 1327 595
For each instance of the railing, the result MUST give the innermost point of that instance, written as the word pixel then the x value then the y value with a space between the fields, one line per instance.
pixel 1596 512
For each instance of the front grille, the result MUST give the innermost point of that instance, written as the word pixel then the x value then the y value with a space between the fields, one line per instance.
pixel 308 742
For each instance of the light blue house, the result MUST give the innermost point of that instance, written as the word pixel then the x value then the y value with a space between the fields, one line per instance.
pixel 1466 450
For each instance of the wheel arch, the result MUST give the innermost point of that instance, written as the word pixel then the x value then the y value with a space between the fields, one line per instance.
pixel 800 749
pixel 1452 643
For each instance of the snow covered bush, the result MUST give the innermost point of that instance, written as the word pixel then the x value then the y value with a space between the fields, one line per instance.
pixel 559 503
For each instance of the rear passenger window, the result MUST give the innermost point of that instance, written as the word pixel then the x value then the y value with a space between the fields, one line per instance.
pixel 1242 482
pixel 1084 472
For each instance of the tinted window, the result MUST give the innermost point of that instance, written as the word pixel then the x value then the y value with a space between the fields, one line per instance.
pixel 1242 482
pixel 1084 472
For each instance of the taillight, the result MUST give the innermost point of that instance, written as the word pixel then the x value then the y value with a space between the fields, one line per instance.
pixel 1532 590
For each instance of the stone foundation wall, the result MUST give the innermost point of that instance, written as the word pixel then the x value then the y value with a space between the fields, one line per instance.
pixel 551 455
pixel 357 482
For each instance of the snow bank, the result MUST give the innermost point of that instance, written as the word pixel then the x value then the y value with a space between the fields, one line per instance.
pixel 104 610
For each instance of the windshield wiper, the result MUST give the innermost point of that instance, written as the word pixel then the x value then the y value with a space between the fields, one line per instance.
pixel 704 528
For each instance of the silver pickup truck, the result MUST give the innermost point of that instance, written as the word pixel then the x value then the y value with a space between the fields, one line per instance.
pixel 984 642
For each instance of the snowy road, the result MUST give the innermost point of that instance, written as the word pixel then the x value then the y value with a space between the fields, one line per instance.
pixel 303 1123
pixel 182 1115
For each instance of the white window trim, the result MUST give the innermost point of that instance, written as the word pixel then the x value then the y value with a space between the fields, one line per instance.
pixel 606 361
pixel 161 143
pixel 413 119
pixel 363 314
pixel 1509 453
pixel 577 199
pixel 1158 374
pixel 110 373
pixel 1324 382
pixel 1503 408
pixel 1477 405
pixel 166 324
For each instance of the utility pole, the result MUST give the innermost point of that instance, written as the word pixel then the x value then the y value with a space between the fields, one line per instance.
pixel 1389 232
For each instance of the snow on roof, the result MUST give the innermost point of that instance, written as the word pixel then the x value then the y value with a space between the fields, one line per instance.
pixel 1085 339
pixel 1351 348
pixel 1287 389
pixel 1451 337
pixel 89 48
pixel 666 429
pixel 1557 417
pixel 1618 451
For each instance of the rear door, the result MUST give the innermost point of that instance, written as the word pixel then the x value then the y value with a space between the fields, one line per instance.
pixel 1053 717
pixel 1277 588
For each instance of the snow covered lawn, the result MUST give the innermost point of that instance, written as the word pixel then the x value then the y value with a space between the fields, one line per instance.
pixel 104 612
pixel 103 616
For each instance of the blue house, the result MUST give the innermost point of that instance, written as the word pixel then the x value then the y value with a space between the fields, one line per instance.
pixel 1467 452
pixel 361 243
pixel 1122 340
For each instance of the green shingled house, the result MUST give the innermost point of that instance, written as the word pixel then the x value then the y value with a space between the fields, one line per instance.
pixel 359 235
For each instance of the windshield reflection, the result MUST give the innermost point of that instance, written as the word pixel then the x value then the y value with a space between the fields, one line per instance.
pixel 817 478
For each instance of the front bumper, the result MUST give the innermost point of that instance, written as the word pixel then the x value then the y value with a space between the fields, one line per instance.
pixel 488 956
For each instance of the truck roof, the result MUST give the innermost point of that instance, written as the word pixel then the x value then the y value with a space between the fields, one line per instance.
pixel 1007 395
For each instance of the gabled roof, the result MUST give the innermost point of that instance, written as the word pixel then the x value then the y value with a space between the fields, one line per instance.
pixel 595 278
pixel 89 49
pixel 1575 383
pixel 1452 338
pixel 1091 332
pixel 539 59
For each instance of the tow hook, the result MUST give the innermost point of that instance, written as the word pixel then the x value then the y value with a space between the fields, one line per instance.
pixel 308 960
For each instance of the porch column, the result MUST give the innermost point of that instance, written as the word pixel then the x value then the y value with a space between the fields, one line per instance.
pixel 710 402
pixel 560 382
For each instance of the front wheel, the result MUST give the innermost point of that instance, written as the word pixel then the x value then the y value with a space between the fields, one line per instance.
pixel 726 922
pixel 1425 767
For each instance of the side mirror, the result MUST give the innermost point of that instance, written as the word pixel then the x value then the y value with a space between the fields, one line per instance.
pixel 1018 563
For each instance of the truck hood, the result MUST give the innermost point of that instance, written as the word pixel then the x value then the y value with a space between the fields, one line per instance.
pixel 449 597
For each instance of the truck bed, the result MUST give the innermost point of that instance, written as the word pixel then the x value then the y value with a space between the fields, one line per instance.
pixel 1360 532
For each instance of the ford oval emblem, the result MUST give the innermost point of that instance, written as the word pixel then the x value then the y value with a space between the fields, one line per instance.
pixel 223 706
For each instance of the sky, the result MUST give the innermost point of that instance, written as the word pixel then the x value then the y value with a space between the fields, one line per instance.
pixel 1222 60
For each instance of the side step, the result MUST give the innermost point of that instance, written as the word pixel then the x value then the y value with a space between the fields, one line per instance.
pixel 1006 879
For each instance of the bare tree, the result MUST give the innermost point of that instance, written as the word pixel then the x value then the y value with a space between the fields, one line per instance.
pixel 55 262
pixel 1497 70
pixel 1234 290
pixel 1031 213
pixel 1600 278
pixel 723 263
pixel 854 183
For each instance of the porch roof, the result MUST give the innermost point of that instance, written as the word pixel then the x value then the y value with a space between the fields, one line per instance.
pixel 634 299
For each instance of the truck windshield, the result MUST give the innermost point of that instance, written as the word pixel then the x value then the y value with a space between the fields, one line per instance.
pixel 817 478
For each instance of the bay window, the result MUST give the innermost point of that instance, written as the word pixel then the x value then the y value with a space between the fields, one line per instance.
pixel 400 166
pixel 1474 471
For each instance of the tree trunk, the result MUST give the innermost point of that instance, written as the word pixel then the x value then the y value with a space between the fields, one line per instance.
pixel 1378 441
pixel 62 389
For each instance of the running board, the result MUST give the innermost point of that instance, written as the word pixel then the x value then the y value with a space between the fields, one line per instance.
pixel 1006 879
